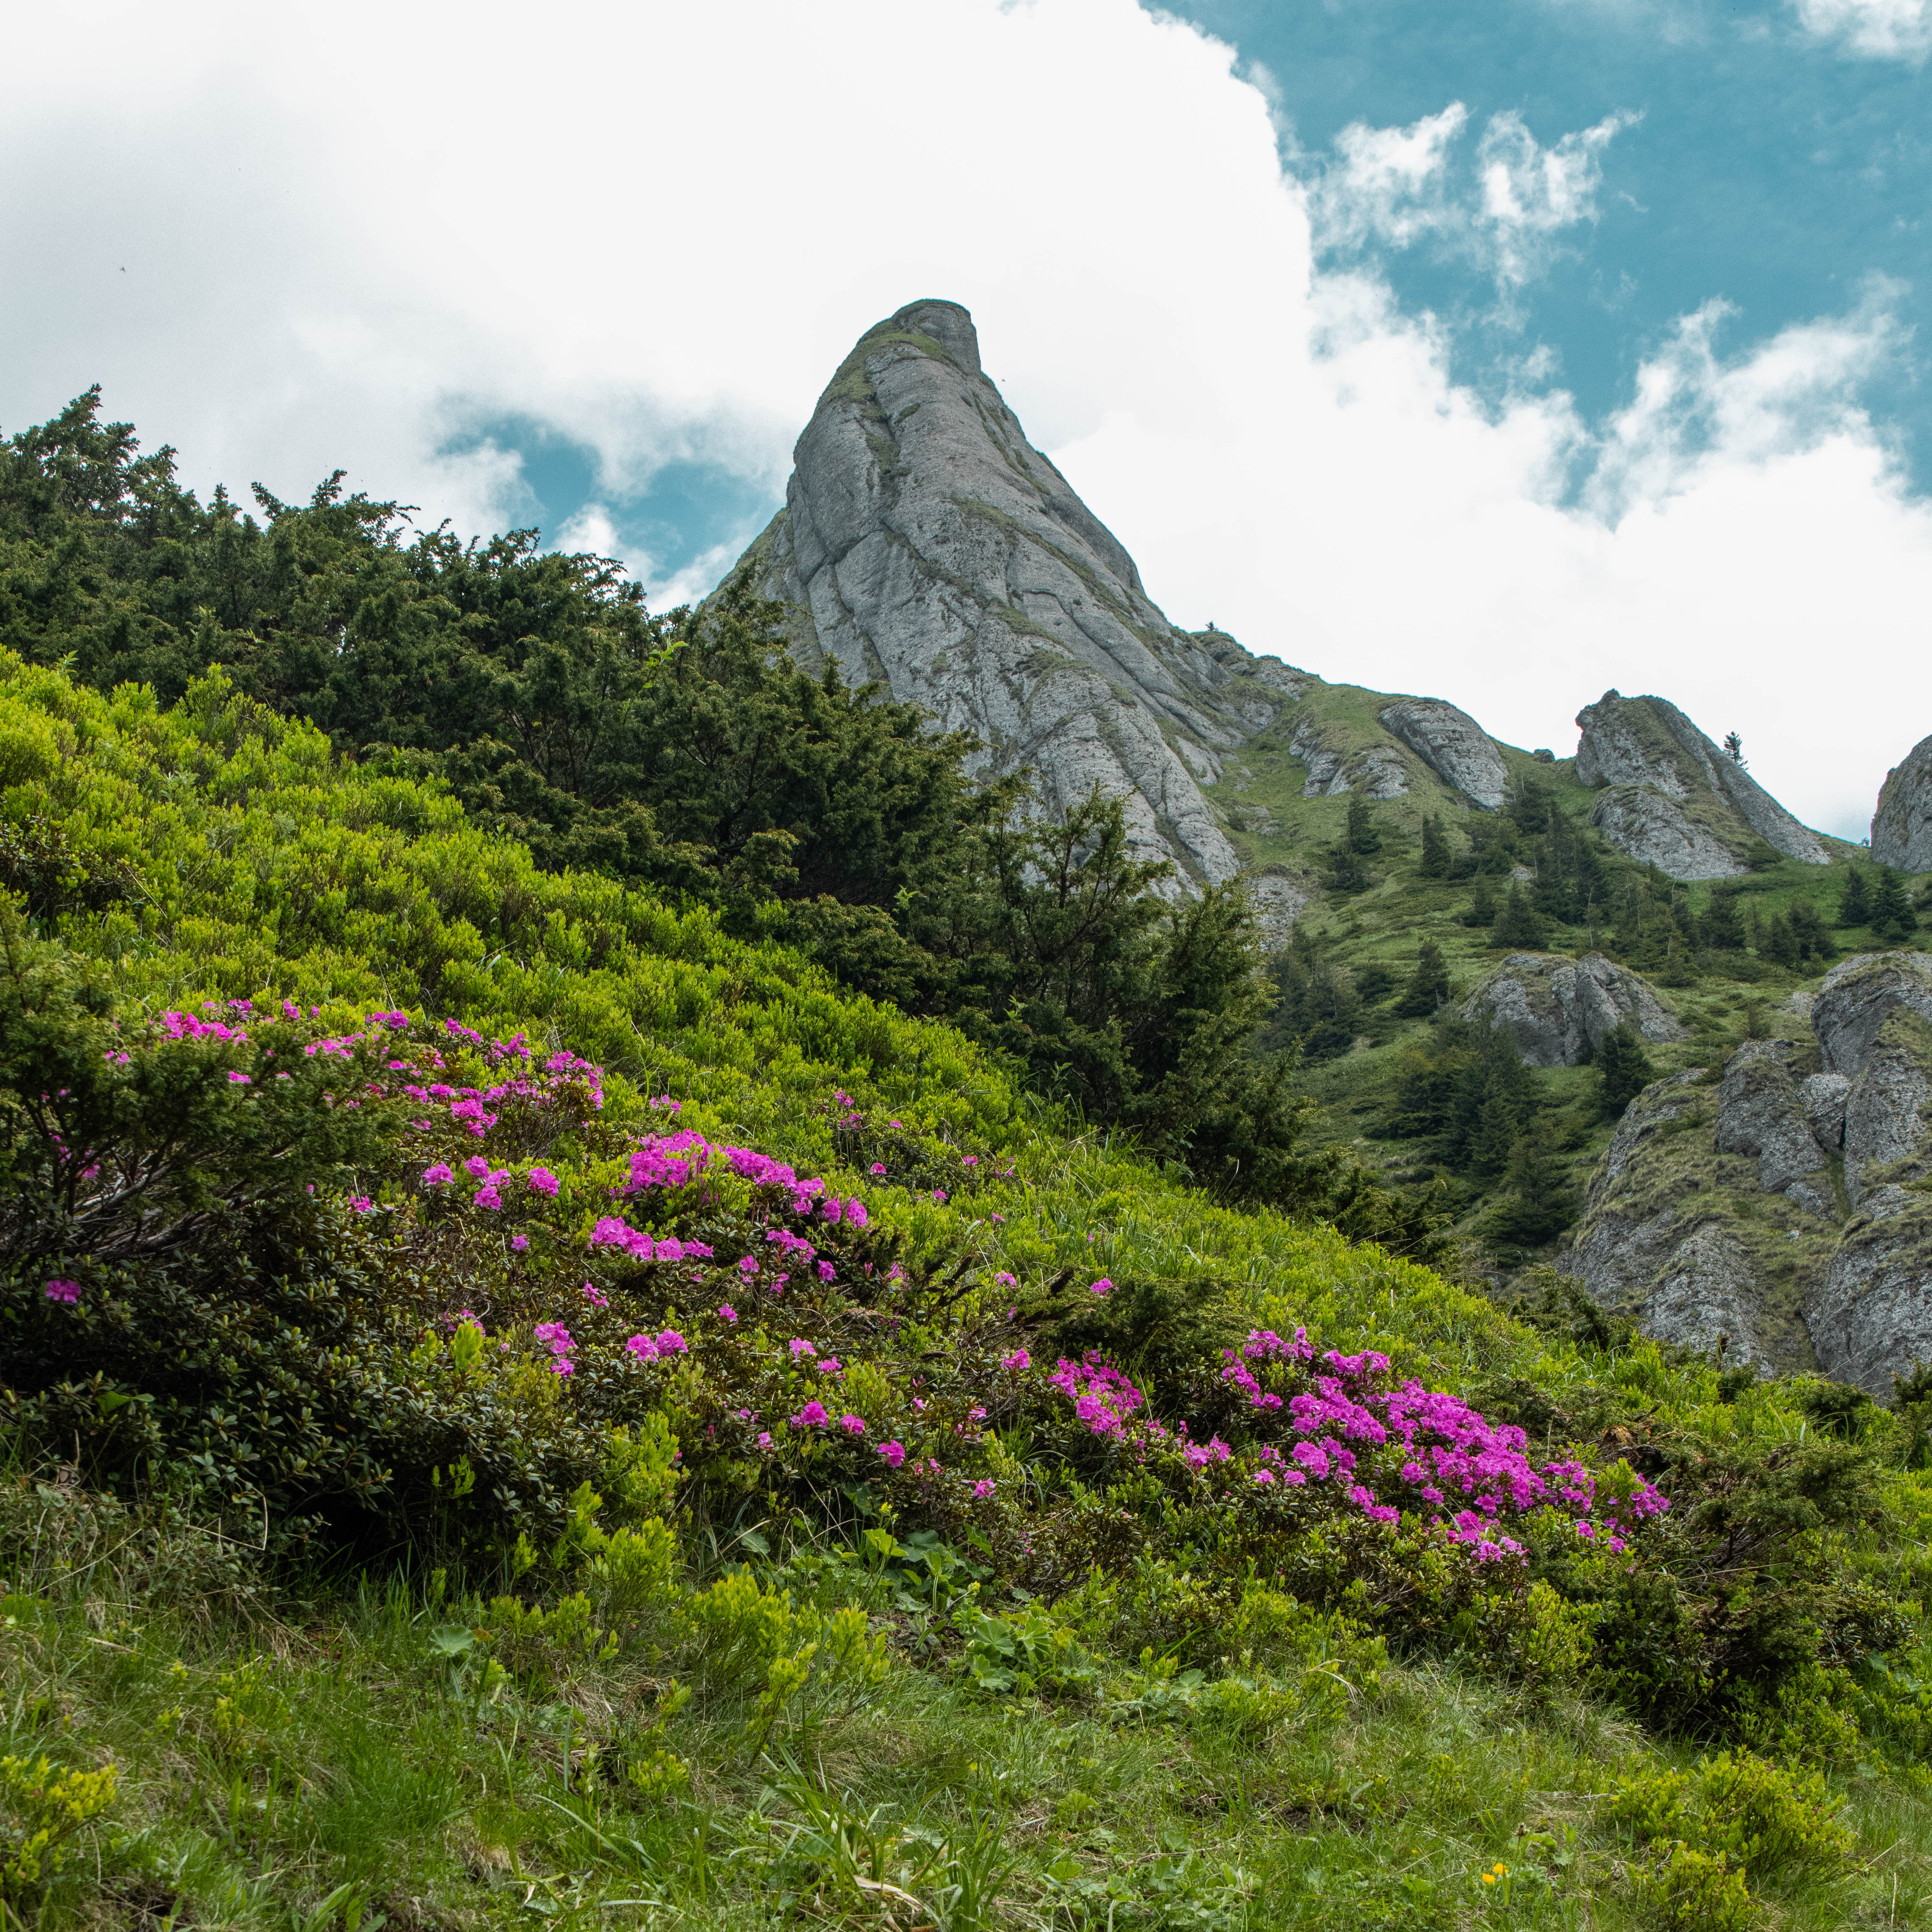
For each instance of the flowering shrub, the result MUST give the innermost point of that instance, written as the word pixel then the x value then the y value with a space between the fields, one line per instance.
pixel 400 1280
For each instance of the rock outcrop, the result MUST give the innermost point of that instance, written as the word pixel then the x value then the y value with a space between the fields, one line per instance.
pixel 1787 1210
pixel 1679 803
pixel 1554 1007
pixel 1660 1237
pixel 925 543
pixel 1901 829
pixel 1659 832
pixel 1452 745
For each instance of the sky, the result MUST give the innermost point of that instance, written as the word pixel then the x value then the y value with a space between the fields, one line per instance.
pixel 1503 353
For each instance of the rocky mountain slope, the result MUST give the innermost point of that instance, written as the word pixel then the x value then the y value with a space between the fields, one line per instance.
pixel 1764 1188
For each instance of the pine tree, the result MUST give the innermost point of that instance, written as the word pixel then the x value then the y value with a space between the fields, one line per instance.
pixel 1518 924
pixel 1428 987
pixel 1854 903
pixel 1892 916
pixel 1734 747
pixel 1435 856
pixel 1538 1202
pixel 1808 932
pixel 1623 1070
pixel 1720 929
pixel 1362 835
pixel 1482 908
pixel 1498 1126
pixel 1346 872
pixel 1778 945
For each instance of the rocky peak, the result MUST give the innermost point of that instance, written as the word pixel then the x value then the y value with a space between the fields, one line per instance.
pixel 1671 798
pixel 926 545
pixel 1901 829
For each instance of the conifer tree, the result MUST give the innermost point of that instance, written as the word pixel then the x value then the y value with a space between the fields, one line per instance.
pixel 1363 835
pixel 1483 906
pixel 1720 929
pixel 1778 945
pixel 1436 855
pixel 1518 924
pixel 1428 988
pixel 1538 1202
pixel 1854 902
pixel 1623 1070
pixel 1891 915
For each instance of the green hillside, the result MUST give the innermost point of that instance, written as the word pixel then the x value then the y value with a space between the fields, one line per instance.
pixel 530 1397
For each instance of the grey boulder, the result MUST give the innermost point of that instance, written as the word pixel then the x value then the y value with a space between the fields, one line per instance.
pixel 1553 1007
pixel 1761 1112
pixel 1871 1318
pixel 1452 745
pixel 1901 829
pixel 1859 994
pixel 1655 830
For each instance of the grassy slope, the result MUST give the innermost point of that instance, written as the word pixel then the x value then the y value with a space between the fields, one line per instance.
pixel 253 865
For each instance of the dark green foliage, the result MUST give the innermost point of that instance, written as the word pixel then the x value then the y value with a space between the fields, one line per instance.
pixel 1720 929
pixel 1345 874
pixel 1375 981
pixel 1482 906
pixel 1891 915
pixel 1428 988
pixel 1469 1091
pixel 1855 901
pixel 1362 834
pixel 1317 1006
pixel 1734 747
pixel 1435 856
pixel 1538 1202
pixel 1519 925
pixel 1623 1070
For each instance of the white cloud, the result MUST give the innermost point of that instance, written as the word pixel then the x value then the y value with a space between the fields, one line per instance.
pixel 1502 209
pixel 1879 29
pixel 658 230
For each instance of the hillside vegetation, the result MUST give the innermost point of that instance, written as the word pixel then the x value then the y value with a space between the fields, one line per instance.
pixel 531 1400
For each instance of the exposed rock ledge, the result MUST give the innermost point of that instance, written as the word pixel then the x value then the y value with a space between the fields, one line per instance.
pixel 1901 829
pixel 1554 1007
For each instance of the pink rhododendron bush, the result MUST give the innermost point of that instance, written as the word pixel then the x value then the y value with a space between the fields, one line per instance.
pixel 397 1284
pixel 401 1281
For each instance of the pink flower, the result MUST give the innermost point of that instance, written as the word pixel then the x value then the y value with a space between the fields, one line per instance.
pixel 969 1160
pixel 856 1215
pixel 542 1181
pixel 998 1220
pixel 1263 1475
pixel 437 1176
pixel 813 1415
pixel 764 1438
pixel 799 1346
pixel 642 1347
pixel 477 1167
pixel 939 1194
pixel 1103 1286
pixel 595 1295
pixel 60 1289
pixel 360 1203
pixel 749 1266
pixel 983 1487
pixel 893 1452
pixel 520 1242
pixel 826 1272
pixel 878 1167
pixel 852 1425
pixel 487 1197
pixel 671 1343
pixel 1018 1359
pixel 829 1365
pixel 563 1366
pixel 241 1080
pixel 833 1210
pixel 727 1312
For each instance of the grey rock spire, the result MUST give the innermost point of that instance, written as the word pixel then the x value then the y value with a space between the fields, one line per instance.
pixel 927 545
pixel 1673 799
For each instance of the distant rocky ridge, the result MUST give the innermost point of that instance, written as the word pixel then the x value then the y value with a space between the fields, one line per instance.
pixel 1672 798
pixel 1785 1207
pixel 1901 829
